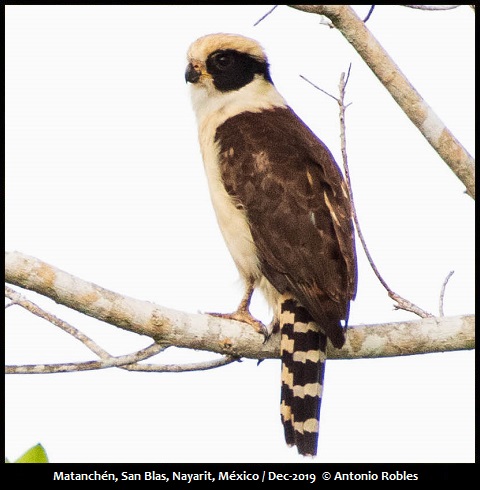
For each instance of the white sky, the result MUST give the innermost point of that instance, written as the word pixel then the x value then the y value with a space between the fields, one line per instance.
pixel 104 180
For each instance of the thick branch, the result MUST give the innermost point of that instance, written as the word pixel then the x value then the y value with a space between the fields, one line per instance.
pixel 410 101
pixel 205 332
pixel 166 326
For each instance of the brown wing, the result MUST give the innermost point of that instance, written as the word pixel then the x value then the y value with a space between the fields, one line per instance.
pixel 298 210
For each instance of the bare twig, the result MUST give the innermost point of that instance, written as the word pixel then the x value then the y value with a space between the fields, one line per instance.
pixel 402 303
pixel 442 292
pixel 266 15
pixel 86 366
pixel 128 362
pixel 405 304
pixel 20 300
pixel 318 88
pixel 181 368
pixel 370 12
pixel 432 7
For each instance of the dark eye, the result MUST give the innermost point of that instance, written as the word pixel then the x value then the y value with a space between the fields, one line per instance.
pixel 222 60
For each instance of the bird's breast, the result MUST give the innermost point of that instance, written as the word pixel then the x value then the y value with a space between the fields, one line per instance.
pixel 231 217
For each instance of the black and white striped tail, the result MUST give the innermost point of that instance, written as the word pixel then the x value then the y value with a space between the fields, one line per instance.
pixel 303 349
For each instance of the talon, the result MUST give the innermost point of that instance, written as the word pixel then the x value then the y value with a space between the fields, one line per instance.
pixel 244 316
pixel 272 328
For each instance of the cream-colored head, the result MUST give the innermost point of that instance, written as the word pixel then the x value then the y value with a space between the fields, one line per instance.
pixel 201 48
pixel 229 74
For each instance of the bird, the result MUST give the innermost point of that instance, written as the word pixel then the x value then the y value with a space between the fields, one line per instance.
pixel 284 210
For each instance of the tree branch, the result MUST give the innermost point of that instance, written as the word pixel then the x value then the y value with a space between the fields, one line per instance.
pixel 231 338
pixel 129 362
pixel 410 101
pixel 111 361
pixel 432 7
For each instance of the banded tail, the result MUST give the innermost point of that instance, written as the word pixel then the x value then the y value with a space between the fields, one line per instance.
pixel 303 352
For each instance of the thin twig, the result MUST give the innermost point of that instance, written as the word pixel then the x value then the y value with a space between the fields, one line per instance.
pixel 405 304
pixel 263 17
pixel 86 366
pixel 181 368
pixel 20 300
pixel 402 303
pixel 432 7
pixel 318 88
pixel 128 362
pixel 343 145
pixel 442 292
pixel 370 12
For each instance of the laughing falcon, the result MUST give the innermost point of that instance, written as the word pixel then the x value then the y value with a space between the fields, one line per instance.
pixel 284 211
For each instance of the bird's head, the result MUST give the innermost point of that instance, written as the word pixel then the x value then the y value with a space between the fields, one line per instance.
pixel 225 63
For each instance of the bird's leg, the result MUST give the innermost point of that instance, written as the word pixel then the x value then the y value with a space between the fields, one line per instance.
pixel 242 313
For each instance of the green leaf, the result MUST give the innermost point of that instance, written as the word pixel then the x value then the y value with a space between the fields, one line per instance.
pixel 35 454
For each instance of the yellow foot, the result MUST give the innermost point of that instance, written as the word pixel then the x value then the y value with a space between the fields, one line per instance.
pixel 244 316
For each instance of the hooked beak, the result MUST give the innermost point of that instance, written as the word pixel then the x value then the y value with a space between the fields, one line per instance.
pixel 192 75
